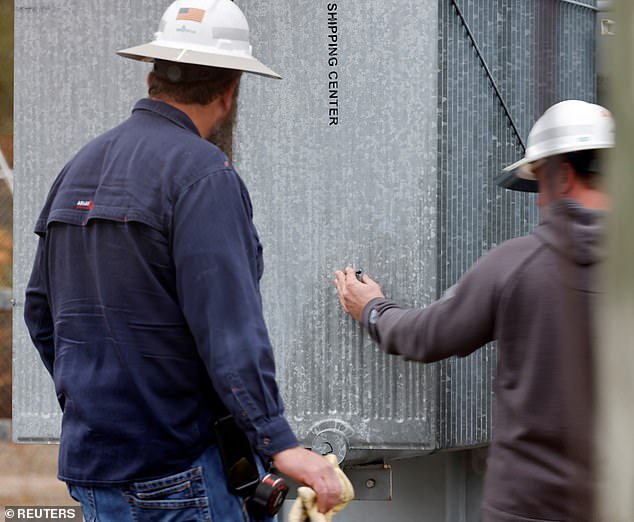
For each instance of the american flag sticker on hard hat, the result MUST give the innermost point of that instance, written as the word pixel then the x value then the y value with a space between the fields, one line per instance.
pixel 191 14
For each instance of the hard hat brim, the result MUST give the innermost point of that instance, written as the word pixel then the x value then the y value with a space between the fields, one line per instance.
pixel 509 180
pixel 522 169
pixel 519 168
pixel 152 51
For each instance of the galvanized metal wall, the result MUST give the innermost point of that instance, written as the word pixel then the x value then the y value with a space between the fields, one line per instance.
pixel 361 192
pixel 477 138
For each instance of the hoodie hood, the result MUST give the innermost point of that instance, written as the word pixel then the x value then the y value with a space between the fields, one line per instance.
pixel 576 233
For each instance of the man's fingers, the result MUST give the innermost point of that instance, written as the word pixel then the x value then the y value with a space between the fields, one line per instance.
pixel 368 280
pixel 340 283
pixel 354 294
pixel 329 491
pixel 342 302
pixel 314 471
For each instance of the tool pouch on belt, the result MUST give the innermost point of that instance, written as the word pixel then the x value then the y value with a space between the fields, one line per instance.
pixel 263 496
pixel 237 455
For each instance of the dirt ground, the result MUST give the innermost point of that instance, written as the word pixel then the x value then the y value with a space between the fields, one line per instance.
pixel 28 476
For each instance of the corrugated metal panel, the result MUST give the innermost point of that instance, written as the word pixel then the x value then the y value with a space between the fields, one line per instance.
pixel 362 192
pixel 476 141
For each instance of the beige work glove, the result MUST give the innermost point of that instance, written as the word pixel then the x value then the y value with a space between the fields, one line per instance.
pixel 305 507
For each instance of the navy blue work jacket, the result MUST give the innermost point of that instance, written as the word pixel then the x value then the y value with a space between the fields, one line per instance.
pixel 144 298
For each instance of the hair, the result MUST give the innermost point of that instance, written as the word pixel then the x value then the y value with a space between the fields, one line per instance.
pixel 587 166
pixel 199 92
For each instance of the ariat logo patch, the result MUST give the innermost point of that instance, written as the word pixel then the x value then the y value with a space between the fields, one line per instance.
pixel 83 204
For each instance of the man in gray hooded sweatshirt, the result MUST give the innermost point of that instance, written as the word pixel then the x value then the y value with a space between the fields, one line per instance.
pixel 535 296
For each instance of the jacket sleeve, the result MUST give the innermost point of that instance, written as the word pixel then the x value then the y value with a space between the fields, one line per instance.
pixel 457 324
pixel 217 261
pixel 37 313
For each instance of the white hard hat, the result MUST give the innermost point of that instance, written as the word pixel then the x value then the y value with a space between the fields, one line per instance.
pixel 568 126
pixel 212 33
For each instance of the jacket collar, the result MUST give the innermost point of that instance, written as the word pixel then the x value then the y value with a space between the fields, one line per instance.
pixel 167 111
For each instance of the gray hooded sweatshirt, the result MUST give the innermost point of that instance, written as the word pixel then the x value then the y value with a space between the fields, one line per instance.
pixel 533 295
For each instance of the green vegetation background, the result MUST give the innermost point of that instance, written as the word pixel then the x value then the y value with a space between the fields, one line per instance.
pixel 6 67
pixel 6 198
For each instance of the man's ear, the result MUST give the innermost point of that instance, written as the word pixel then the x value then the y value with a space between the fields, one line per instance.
pixel 149 78
pixel 227 97
pixel 568 179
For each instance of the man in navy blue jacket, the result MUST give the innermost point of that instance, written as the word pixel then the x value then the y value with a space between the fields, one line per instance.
pixel 144 299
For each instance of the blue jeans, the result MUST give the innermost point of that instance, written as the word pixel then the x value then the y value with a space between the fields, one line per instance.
pixel 195 495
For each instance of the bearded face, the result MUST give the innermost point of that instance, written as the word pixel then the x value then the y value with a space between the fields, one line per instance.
pixel 222 135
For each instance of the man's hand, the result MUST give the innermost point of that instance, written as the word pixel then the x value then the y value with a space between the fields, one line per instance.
pixel 305 509
pixel 306 467
pixel 353 294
